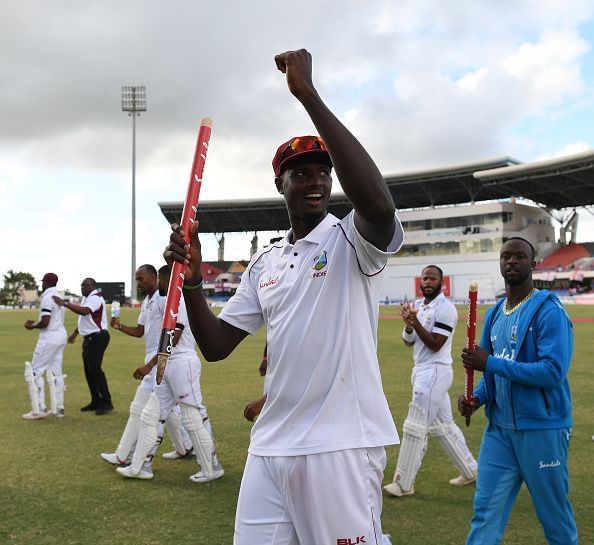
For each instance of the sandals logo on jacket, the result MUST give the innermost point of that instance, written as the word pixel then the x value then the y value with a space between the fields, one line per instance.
pixel 319 263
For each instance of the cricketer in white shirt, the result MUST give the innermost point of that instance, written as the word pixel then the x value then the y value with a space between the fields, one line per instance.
pixel 430 411
pixel 319 301
pixel 47 360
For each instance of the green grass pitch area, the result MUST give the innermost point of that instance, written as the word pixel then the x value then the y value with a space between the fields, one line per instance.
pixel 55 489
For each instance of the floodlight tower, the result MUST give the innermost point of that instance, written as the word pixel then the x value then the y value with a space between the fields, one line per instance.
pixel 133 102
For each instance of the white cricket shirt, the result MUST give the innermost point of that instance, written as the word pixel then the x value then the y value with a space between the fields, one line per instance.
pixel 319 299
pixel 186 344
pixel 97 319
pixel 151 317
pixel 55 331
pixel 439 316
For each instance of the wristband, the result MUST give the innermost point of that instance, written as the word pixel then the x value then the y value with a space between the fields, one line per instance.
pixel 408 337
pixel 194 287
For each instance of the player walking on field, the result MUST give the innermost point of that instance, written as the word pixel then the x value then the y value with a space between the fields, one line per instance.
pixel 180 385
pixel 92 325
pixel 524 355
pixel 47 358
pixel 429 326
pixel 149 326
pixel 316 456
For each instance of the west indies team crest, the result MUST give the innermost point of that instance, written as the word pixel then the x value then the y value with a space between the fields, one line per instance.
pixel 320 261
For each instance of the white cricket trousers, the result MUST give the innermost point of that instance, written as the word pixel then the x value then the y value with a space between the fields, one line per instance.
pixel 431 383
pixel 315 499
pixel 181 383
pixel 48 356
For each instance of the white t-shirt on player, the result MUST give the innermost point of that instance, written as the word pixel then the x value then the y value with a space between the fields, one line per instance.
pixel 151 317
pixel 319 299
pixel 186 344
pixel 55 330
pixel 439 316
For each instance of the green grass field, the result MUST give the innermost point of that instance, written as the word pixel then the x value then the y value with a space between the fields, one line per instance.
pixel 56 490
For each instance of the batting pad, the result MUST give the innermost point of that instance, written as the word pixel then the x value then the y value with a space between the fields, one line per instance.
pixel 413 446
pixel 31 387
pixel 451 440
pixel 52 385
pixel 174 429
pixel 130 434
pixel 147 435
pixel 201 439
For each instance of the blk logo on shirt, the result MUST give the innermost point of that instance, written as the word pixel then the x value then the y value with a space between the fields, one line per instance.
pixel 349 541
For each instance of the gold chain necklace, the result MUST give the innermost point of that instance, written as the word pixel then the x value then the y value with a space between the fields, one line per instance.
pixel 512 310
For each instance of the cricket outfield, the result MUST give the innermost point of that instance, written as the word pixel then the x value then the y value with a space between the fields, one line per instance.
pixel 56 490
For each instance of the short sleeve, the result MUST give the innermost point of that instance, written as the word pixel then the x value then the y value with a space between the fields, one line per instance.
pixel 243 310
pixel 142 316
pixel 445 320
pixel 371 259
pixel 94 302
pixel 46 306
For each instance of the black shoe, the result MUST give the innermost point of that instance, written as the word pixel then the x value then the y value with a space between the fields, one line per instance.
pixel 90 407
pixel 104 409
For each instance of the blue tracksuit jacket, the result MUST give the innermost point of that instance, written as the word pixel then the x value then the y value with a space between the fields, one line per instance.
pixel 540 393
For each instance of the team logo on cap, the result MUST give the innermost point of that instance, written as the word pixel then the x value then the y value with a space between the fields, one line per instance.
pixel 320 261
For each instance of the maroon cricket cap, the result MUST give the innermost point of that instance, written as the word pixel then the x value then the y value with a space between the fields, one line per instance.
pixel 50 278
pixel 297 147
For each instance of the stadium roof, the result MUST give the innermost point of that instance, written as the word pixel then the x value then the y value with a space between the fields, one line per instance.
pixel 566 182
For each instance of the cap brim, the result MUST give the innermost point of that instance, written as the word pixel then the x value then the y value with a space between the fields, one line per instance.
pixel 313 152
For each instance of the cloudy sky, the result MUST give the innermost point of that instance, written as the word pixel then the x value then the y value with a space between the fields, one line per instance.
pixel 422 83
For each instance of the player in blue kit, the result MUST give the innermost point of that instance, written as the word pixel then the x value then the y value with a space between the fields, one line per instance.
pixel 525 354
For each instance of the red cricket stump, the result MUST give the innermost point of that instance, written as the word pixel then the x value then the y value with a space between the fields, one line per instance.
pixel 470 341
pixel 178 270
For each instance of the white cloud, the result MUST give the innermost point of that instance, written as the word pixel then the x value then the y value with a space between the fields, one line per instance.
pixel 71 201
pixel 549 69
pixel 472 82
pixel 422 83
pixel 567 149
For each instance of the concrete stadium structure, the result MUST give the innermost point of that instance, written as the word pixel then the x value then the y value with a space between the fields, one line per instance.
pixel 456 217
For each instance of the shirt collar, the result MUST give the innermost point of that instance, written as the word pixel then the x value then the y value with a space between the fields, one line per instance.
pixel 316 235
pixel 434 302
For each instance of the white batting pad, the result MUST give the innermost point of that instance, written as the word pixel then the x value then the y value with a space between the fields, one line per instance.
pixel 53 391
pixel 130 434
pixel 147 434
pixel 412 448
pixel 201 439
pixel 453 443
pixel 174 429
pixel 31 387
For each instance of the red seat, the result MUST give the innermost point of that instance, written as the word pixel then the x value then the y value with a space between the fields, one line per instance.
pixel 563 257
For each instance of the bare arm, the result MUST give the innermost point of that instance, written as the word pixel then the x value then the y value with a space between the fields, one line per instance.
pixel 433 341
pixel 77 309
pixel 359 177
pixel 136 331
pixel 215 338
pixel 73 336
pixel 42 324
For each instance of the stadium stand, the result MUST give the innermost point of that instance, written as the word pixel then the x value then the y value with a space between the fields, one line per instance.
pixel 562 258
